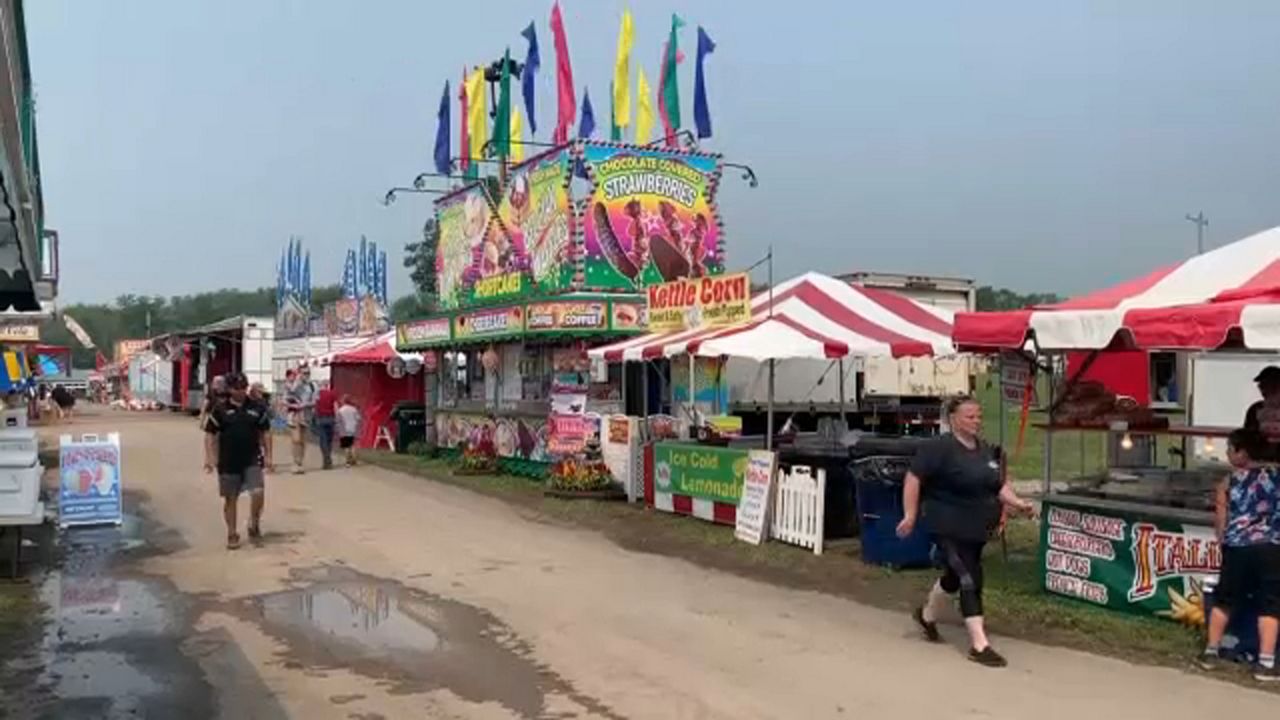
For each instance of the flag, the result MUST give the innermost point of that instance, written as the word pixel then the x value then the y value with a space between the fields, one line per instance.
pixel 477 117
pixel 517 137
pixel 668 84
pixel 568 107
pixel 701 113
pixel 615 132
pixel 531 64
pixel 622 73
pixel 502 119
pixel 442 133
pixel 464 139
pixel 644 108
pixel 588 126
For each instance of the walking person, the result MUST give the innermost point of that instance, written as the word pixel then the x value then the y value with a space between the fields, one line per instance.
pixel 299 399
pixel 1248 525
pixel 958 476
pixel 326 406
pixel 348 427
pixel 259 394
pixel 234 437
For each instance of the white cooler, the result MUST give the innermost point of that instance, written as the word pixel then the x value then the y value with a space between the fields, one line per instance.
pixel 20 472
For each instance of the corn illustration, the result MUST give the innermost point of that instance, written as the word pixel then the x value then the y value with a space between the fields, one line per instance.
pixel 1188 610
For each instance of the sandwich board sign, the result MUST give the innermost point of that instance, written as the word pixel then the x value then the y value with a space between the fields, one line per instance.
pixel 89 480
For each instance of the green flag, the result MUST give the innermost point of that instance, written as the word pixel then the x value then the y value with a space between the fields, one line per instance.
pixel 670 100
pixel 502 123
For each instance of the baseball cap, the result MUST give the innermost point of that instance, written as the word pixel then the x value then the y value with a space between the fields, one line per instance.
pixel 1270 373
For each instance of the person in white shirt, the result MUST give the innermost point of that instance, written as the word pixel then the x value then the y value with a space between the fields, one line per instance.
pixel 348 421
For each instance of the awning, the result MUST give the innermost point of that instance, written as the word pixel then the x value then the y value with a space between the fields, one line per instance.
pixel 379 349
pixel 1230 295
pixel 813 316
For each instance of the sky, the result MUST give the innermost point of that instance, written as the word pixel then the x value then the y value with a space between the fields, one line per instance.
pixel 1039 146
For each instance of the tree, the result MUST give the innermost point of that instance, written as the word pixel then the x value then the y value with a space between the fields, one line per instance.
pixel 420 259
pixel 989 298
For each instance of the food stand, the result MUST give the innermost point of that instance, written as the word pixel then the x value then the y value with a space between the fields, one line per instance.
pixel 530 277
pixel 1138 536
pixel 813 317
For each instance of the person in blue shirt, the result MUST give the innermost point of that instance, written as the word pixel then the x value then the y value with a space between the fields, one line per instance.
pixel 1247 520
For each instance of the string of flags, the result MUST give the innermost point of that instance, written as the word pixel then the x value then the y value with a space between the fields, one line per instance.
pixel 507 123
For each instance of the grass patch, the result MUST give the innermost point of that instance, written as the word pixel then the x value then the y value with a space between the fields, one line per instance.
pixel 1016 604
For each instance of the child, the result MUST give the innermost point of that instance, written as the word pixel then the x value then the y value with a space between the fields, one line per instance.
pixel 1248 524
pixel 348 423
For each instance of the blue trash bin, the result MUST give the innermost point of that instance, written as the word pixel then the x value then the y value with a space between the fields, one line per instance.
pixel 879 481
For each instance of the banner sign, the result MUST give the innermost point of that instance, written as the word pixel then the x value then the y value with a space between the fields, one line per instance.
pixel 566 315
pixel 752 519
pixel 699 302
pixel 567 434
pixel 126 349
pixel 535 211
pixel 1126 560
pixel 26 333
pixel 628 316
pixel 1015 376
pixel 481 324
pixel 709 473
pixel 650 217
pixel 421 333
pixel 89 480
pixel 505 286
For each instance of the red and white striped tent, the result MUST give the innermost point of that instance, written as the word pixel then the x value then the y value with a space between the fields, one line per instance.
pixel 379 348
pixel 1228 297
pixel 814 317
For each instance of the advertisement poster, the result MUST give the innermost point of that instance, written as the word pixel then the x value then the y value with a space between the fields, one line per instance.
pixel 89 480
pixel 520 438
pixel 692 303
pixel 709 473
pixel 482 324
pixel 1126 562
pixel 567 434
pixel 650 217
pixel 423 333
pixel 752 520
pixel 126 349
pixel 566 315
pixel 463 219
pixel 535 212
pixel 1015 377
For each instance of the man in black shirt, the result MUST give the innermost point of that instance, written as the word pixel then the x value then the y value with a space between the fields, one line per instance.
pixel 234 438
pixel 1269 387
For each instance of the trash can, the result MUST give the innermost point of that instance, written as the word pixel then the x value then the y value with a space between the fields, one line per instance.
pixel 411 424
pixel 1240 642
pixel 879 479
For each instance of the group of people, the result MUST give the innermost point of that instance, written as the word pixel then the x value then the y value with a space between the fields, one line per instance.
pixel 55 402
pixel 956 486
pixel 237 422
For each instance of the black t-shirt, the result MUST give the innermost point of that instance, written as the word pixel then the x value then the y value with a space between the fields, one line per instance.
pixel 239 429
pixel 960 488
pixel 1251 415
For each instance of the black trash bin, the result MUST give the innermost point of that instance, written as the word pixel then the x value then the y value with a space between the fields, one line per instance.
pixel 411 424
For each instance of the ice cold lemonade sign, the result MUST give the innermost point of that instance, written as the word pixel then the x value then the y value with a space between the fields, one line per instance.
pixel 1123 560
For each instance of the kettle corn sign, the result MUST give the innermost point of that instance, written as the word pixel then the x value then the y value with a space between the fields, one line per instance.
pixel 700 302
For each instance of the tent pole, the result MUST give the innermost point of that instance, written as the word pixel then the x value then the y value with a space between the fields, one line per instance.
pixel 1000 396
pixel 693 409
pixel 624 385
pixel 768 438
pixel 842 415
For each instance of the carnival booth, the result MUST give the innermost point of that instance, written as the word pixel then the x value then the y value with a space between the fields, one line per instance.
pixel 812 318
pixel 1138 534
pixel 530 278
pixel 377 378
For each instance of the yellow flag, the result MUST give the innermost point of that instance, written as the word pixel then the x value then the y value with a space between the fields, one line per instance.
pixel 622 73
pixel 477 112
pixel 644 108
pixel 517 137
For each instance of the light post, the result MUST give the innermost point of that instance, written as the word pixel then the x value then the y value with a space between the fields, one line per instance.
pixel 1201 222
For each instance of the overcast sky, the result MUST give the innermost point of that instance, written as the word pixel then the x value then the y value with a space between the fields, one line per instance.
pixel 1041 146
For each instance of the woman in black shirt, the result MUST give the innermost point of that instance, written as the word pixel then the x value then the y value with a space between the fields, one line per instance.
pixel 958 475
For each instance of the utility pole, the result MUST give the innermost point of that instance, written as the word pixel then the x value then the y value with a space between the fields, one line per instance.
pixel 1201 222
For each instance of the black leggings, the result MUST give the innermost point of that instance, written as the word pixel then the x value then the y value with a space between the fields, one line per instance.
pixel 962 572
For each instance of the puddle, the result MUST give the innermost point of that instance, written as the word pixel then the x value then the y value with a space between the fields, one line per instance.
pixel 412 640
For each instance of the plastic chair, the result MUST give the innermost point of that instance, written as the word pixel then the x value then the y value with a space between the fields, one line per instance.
pixel 384 435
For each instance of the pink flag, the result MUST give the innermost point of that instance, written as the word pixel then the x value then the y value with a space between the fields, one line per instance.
pixel 568 106
pixel 668 132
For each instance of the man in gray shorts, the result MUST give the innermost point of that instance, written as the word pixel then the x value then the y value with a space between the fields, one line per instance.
pixel 234 437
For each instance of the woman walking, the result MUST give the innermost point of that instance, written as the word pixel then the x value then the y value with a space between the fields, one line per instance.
pixel 958 476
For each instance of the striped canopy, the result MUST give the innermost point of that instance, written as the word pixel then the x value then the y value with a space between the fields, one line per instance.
pixel 377 349
pixel 813 316
pixel 1229 296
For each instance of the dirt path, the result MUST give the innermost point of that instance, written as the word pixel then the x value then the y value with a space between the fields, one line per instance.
pixel 382 595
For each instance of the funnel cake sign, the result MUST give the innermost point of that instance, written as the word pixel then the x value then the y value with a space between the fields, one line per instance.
pixel 650 218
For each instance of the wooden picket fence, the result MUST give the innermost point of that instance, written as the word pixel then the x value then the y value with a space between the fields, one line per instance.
pixel 800 507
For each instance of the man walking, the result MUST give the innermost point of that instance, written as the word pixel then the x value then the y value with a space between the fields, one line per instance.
pixel 326 406
pixel 235 435
pixel 300 401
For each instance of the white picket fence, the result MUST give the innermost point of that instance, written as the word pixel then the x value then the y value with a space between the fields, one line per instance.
pixel 799 507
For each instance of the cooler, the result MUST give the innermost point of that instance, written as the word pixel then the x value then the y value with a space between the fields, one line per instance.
pixel 20 473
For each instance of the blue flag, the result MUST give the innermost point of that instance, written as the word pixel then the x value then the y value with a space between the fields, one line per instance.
pixel 531 64
pixel 442 133
pixel 701 114
pixel 587 127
